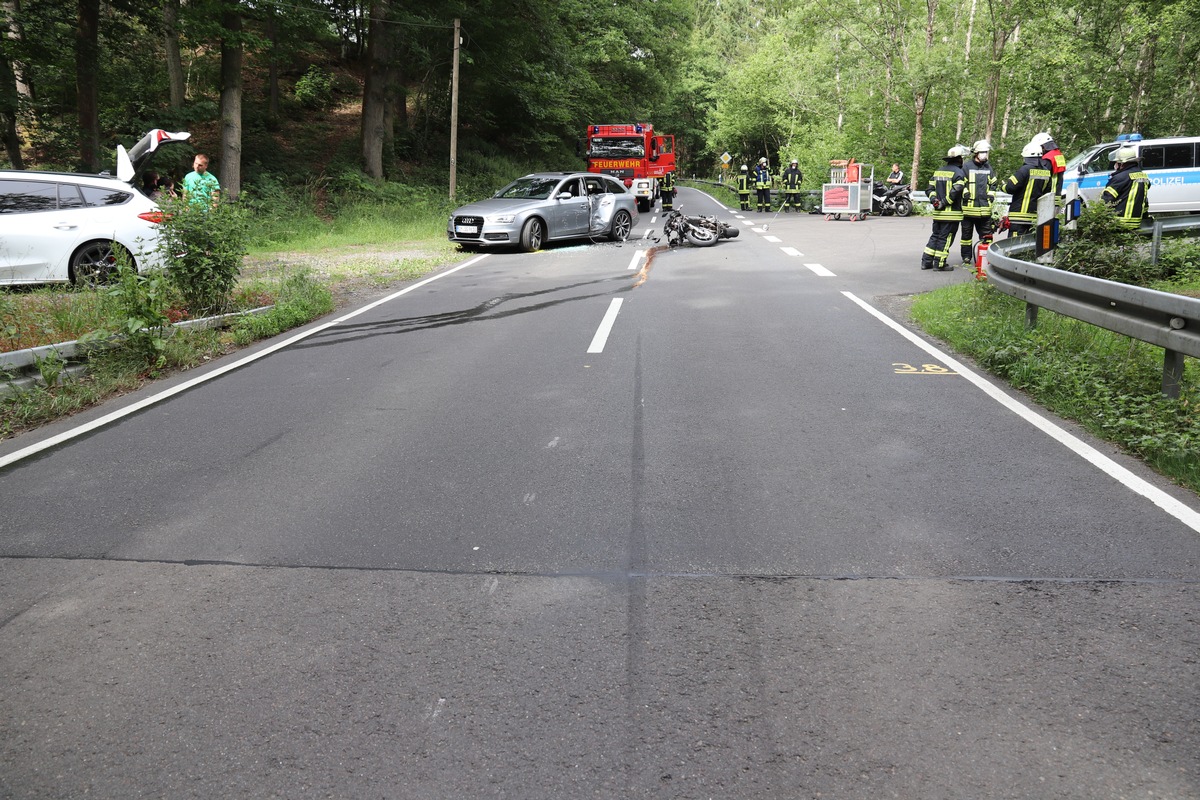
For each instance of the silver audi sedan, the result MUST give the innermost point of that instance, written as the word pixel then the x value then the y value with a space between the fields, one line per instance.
pixel 546 207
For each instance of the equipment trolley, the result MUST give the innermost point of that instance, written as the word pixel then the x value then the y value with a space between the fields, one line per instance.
pixel 848 190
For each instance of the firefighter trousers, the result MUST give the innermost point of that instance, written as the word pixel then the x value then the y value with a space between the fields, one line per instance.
pixel 764 199
pixel 668 200
pixel 790 199
pixel 744 197
pixel 937 250
pixel 969 226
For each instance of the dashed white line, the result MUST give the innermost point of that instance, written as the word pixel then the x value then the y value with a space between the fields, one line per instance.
pixel 773 239
pixel 637 257
pixel 791 251
pixel 819 270
pixel 606 324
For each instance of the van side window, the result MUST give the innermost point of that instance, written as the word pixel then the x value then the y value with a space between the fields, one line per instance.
pixel 1176 156
pixel 1152 157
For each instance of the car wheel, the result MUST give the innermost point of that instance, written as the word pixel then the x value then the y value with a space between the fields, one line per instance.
pixel 96 262
pixel 622 224
pixel 532 235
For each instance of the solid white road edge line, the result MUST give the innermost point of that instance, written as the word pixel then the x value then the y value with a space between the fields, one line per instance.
pixel 606 324
pixel 65 436
pixel 1166 502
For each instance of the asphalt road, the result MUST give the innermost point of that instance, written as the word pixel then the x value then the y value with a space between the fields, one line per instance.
pixel 596 522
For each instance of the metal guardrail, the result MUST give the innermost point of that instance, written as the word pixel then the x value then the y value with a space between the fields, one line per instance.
pixel 19 369
pixel 1169 321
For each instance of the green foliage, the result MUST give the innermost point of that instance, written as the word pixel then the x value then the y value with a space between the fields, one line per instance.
pixel 1109 383
pixel 50 367
pixel 139 304
pixel 1102 248
pixel 314 90
pixel 299 299
pixel 203 248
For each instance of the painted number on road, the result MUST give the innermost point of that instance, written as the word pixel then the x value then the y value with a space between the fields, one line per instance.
pixel 924 369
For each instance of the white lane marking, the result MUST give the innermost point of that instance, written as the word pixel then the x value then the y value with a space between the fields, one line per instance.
pixel 646 235
pixel 791 251
pixel 65 436
pixel 819 270
pixel 777 240
pixel 749 222
pixel 1188 516
pixel 637 256
pixel 606 324
pixel 653 220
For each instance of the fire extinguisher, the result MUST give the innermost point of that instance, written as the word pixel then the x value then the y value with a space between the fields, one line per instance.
pixel 981 248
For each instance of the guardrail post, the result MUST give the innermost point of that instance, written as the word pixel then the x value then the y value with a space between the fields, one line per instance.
pixel 1172 373
pixel 1156 241
pixel 1031 312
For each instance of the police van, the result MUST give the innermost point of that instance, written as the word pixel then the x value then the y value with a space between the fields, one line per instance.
pixel 1172 164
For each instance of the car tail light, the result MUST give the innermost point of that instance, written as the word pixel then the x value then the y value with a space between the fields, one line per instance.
pixel 153 216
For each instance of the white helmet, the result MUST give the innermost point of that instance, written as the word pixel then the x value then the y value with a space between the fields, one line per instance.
pixel 958 151
pixel 1124 154
pixel 1031 150
pixel 1044 141
pixel 744 168
pixel 795 162
pixel 762 160
pixel 981 146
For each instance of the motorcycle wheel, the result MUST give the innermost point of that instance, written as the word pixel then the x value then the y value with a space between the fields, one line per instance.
pixel 903 207
pixel 701 237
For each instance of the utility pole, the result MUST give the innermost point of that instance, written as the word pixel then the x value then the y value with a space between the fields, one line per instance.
pixel 454 113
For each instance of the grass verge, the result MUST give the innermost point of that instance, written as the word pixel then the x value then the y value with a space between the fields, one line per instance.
pixel 1109 383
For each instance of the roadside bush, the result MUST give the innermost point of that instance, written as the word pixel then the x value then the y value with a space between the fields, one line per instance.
pixel 203 248
pixel 1100 247
pixel 139 303
pixel 315 88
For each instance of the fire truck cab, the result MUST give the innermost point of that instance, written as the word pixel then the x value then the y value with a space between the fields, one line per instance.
pixel 634 155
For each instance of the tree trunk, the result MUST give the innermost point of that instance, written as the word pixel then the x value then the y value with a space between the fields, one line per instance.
pixel 273 65
pixel 87 82
pixel 175 82
pixel 375 93
pixel 966 69
pixel 9 111
pixel 14 33
pixel 231 103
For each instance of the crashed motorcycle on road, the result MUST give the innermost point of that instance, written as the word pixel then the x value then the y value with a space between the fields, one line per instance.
pixel 701 231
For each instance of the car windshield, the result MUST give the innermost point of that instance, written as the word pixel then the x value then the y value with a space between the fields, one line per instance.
pixel 618 147
pixel 529 188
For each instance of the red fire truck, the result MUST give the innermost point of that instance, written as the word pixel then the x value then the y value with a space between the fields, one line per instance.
pixel 633 154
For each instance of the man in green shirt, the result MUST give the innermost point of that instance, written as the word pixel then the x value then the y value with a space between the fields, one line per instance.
pixel 200 186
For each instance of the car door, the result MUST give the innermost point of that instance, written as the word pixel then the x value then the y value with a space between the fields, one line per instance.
pixel 30 242
pixel 569 215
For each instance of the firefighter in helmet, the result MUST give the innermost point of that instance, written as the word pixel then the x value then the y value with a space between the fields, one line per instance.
pixel 667 189
pixel 790 181
pixel 945 195
pixel 1053 160
pixel 743 187
pixel 1128 189
pixel 762 185
pixel 978 196
pixel 1031 180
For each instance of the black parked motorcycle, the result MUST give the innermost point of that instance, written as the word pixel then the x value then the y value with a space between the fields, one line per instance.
pixel 700 231
pixel 887 200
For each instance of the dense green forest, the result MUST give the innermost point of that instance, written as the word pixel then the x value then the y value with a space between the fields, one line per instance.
pixel 276 91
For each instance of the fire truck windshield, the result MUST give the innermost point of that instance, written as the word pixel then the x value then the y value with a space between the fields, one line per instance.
pixel 617 147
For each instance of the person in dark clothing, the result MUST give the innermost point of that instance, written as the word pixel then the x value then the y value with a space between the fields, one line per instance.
pixel 762 185
pixel 945 195
pixel 1026 185
pixel 743 187
pixel 1128 189
pixel 791 180
pixel 978 196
